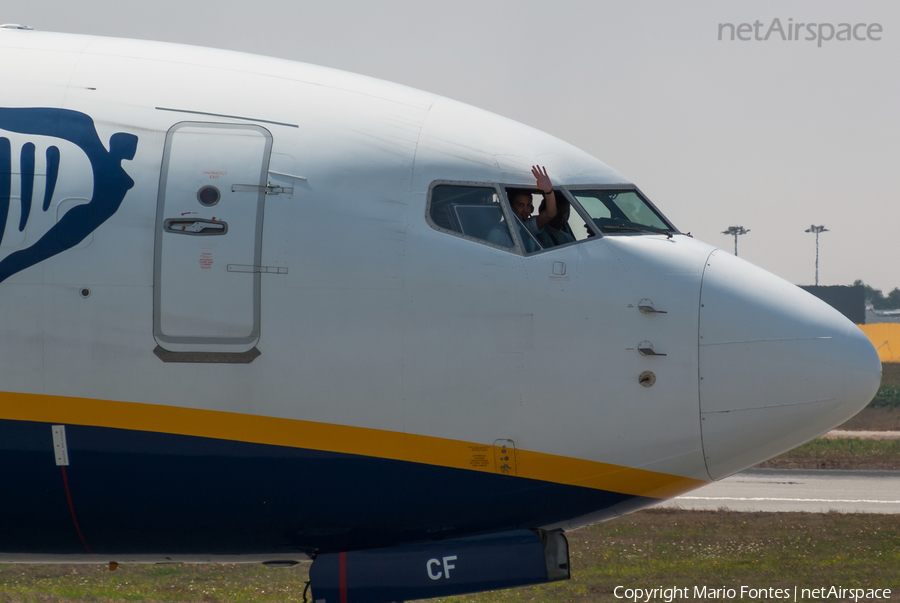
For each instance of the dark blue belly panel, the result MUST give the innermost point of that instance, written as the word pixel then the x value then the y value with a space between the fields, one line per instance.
pixel 138 492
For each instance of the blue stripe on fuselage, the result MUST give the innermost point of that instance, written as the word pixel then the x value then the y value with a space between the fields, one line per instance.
pixel 52 175
pixel 150 493
pixel 5 182
pixel 27 175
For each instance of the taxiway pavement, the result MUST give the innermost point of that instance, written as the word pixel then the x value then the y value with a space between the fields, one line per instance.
pixel 815 491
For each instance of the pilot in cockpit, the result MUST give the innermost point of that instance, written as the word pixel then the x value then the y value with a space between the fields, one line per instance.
pixel 520 201
pixel 557 230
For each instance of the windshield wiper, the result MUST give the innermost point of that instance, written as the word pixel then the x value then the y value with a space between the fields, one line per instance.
pixel 620 224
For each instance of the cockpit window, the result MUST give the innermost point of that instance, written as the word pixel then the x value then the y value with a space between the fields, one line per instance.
pixel 504 217
pixel 621 212
pixel 472 211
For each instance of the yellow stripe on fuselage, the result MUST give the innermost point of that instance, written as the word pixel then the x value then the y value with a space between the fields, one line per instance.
pixel 338 438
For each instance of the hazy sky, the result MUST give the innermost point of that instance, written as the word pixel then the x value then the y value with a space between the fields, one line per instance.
pixel 772 135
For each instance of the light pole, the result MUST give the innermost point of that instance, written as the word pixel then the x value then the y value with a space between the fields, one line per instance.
pixel 735 230
pixel 817 230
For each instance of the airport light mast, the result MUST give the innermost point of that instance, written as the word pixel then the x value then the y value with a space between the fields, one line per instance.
pixel 735 230
pixel 816 229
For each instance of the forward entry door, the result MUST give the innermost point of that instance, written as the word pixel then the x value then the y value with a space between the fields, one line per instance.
pixel 209 242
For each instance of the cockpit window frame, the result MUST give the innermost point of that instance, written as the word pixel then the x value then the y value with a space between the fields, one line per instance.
pixel 536 190
pixel 519 247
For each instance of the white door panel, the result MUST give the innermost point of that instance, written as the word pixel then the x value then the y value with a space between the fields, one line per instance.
pixel 208 239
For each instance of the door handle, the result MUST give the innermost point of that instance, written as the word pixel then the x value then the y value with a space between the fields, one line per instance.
pixel 195 226
pixel 645 348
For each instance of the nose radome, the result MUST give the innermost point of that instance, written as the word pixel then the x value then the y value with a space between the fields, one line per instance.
pixel 778 366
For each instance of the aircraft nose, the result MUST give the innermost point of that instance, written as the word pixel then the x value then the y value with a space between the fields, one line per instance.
pixel 778 366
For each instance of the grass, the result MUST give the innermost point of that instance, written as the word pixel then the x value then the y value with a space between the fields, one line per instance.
pixel 888 396
pixel 850 453
pixel 643 550
pixel 874 419
pixel 890 373
pixel 171 582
